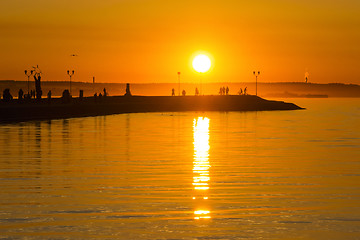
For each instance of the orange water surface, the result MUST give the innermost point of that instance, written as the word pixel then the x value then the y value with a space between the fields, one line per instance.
pixel 187 175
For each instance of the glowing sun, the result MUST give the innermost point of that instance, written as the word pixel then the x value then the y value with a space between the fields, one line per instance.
pixel 201 63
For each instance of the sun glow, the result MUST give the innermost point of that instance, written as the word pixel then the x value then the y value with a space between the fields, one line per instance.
pixel 201 63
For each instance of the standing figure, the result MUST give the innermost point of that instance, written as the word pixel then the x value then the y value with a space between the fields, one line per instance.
pixel 105 93
pixel 227 90
pixel 183 93
pixel 245 90
pixel 49 96
pixel 21 94
pixel 240 91
pixel 173 92
pixel 196 91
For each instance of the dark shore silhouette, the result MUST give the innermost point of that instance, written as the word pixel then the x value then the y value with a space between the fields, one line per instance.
pixel 267 90
pixel 89 106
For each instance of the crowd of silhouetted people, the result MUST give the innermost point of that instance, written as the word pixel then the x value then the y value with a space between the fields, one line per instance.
pixel 241 92
pixel 222 91
pixel 100 96
pixel 66 95
pixel 33 96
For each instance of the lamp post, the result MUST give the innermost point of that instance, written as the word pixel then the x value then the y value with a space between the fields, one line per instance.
pixel 201 87
pixel 256 75
pixel 70 75
pixel 179 81
pixel 201 64
pixel 28 74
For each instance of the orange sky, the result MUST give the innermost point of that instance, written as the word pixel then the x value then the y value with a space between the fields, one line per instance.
pixel 150 41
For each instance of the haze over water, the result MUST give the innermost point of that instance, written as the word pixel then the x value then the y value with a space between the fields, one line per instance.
pixel 187 175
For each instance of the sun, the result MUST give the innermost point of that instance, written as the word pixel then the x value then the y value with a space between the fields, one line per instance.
pixel 201 63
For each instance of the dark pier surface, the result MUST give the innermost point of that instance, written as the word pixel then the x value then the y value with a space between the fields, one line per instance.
pixel 88 106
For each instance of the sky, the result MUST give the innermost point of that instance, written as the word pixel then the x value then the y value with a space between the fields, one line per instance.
pixel 149 41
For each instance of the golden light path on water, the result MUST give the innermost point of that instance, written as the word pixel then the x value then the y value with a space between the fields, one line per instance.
pixel 201 166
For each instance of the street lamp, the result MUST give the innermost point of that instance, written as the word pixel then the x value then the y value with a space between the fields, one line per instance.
pixel 256 75
pixel 70 75
pixel 179 81
pixel 28 74
pixel 201 64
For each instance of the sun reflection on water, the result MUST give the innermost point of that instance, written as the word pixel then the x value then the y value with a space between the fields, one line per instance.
pixel 201 166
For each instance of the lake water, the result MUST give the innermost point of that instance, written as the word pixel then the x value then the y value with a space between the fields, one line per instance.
pixel 189 175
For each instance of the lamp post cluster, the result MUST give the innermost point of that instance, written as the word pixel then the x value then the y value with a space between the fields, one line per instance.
pixel 70 73
pixel 256 76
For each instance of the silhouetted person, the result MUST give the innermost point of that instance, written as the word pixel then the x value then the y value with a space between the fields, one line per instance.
pixel 245 90
pixel 196 91
pixel 100 97
pixel 27 97
pixel 81 94
pixel 223 90
pixel 21 94
pixel 173 92
pixel 38 90
pixel 240 91
pixel 66 98
pixel 128 93
pixel 227 90
pixel 7 97
pixel 95 97
pixel 105 93
pixel 183 92
pixel 49 96
pixel 220 91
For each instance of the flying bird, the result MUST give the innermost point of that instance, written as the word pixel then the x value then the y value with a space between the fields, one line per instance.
pixel 73 55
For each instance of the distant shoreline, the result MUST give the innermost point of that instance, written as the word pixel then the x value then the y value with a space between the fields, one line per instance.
pixel 89 106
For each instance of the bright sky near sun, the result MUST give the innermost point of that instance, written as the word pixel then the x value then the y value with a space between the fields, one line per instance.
pixel 150 41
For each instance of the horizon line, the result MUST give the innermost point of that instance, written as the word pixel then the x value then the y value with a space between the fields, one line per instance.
pixel 64 81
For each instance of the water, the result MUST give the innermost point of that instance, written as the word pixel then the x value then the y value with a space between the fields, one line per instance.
pixel 212 175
